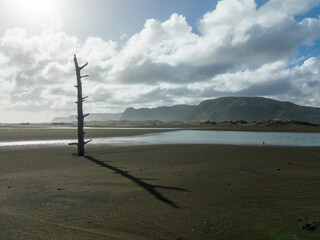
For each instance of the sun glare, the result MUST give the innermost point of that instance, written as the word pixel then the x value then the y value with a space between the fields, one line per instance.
pixel 32 10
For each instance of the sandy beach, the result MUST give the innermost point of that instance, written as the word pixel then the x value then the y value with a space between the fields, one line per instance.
pixel 157 192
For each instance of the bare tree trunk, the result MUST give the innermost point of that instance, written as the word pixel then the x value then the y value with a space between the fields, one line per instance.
pixel 81 117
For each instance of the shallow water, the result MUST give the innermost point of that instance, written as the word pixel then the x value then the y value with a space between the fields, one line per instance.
pixel 191 137
pixel 221 137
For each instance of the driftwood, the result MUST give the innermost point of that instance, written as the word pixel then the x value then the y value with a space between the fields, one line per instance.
pixel 79 102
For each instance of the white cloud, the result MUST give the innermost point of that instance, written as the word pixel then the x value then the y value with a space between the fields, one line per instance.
pixel 241 80
pixel 240 50
pixel 97 51
pixel 124 37
pixel 276 11
pixel 235 35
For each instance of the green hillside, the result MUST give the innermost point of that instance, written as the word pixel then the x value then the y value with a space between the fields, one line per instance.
pixel 252 109
pixel 227 109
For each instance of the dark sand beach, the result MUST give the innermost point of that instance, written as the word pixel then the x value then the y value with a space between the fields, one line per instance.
pixel 158 191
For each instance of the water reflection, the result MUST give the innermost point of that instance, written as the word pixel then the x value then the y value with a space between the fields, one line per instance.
pixel 192 137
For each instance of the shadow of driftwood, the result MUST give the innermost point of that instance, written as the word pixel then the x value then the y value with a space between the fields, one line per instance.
pixel 149 187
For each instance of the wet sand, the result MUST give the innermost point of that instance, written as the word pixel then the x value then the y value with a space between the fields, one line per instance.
pixel 38 133
pixel 160 192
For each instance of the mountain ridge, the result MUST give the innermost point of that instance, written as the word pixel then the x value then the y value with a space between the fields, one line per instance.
pixel 253 109
pixel 219 109
pixel 164 113
pixel 91 117
pixel 233 109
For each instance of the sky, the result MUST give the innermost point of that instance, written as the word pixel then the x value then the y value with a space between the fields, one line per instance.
pixel 150 53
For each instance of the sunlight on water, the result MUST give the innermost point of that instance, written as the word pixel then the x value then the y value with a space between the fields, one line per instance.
pixel 224 137
pixel 191 137
pixel 36 143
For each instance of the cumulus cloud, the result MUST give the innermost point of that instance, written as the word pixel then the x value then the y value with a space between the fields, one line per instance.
pixel 235 35
pixel 239 50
